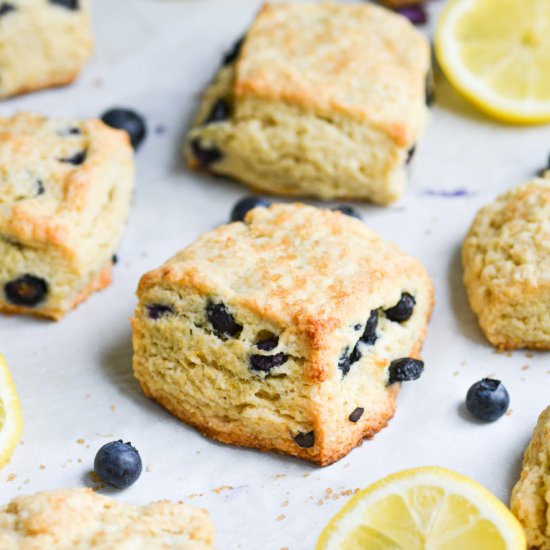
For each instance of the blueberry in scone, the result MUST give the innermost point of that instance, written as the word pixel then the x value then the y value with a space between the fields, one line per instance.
pixel 65 190
pixel 506 257
pixel 318 99
pixel 80 518
pixel 272 332
pixel 43 43
pixel 531 495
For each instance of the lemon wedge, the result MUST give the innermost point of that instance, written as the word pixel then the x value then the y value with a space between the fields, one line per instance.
pixel 497 54
pixel 427 508
pixel 11 420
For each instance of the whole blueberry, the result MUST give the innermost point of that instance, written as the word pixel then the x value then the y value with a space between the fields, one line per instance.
pixel 242 207
pixel 348 211
pixel 487 399
pixel 405 369
pixel 118 463
pixel 126 119
pixel 403 310
pixel 27 290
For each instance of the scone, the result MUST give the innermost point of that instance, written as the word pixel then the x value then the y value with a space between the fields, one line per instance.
pixel 284 332
pixel 531 495
pixel 506 257
pixel 323 100
pixel 43 43
pixel 65 188
pixel 79 518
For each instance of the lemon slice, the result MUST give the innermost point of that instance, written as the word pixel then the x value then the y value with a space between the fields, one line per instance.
pixel 423 509
pixel 11 421
pixel 497 54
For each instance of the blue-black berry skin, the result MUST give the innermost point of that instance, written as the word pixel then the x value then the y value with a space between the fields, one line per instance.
pixel 405 369
pixel 128 120
pixel 220 112
pixel 73 5
pixel 118 463
pixel 348 211
pixel 242 207
pixel 487 400
pixel 403 310
pixel 27 291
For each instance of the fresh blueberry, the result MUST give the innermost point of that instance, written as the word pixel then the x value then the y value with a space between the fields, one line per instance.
pixel 6 7
pixel 220 111
pixel 114 259
pixel 156 311
pixel 126 119
pixel 403 310
pixel 69 4
pixel 221 320
pixel 268 344
pixel 356 414
pixel 305 440
pixel 405 369
pixel 348 211
pixel 234 52
pixel 416 14
pixel 118 463
pixel 487 399
pixel 205 155
pixel 369 334
pixel 265 363
pixel 410 154
pixel 27 290
pixel 76 159
pixel 347 359
pixel 242 207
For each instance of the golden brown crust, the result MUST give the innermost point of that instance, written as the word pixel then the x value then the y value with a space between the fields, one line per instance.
pixel 80 518
pixel 297 53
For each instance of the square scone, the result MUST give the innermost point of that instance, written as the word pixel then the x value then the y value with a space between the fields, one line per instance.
pixel 506 257
pixel 321 100
pixel 43 43
pixel 289 331
pixel 65 189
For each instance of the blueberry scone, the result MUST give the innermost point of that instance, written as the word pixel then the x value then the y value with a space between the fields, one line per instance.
pixel 65 188
pixel 289 331
pixel 506 257
pixel 43 43
pixel 79 518
pixel 324 100
pixel 531 495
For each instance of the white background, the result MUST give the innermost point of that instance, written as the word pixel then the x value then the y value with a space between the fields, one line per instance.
pixel 75 379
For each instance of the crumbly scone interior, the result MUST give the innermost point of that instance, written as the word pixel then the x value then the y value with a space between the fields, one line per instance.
pixel 42 44
pixel 263 141
pixel 531 496
pixel 37 190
